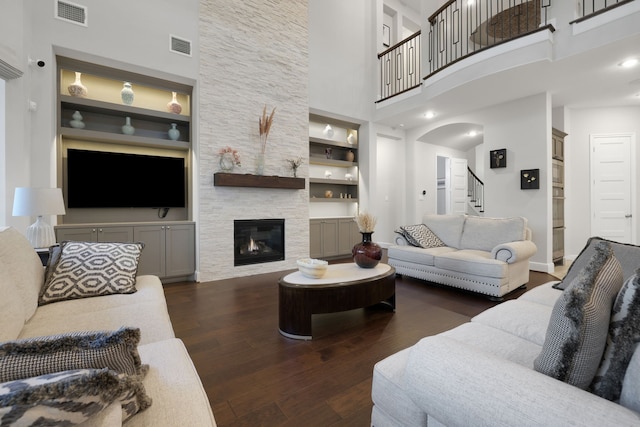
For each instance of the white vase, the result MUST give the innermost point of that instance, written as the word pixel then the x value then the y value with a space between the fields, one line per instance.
pixel 77 88
pixel 77 121
pixel 127 129
pixel 127 94
pixel 174 133
pixel 174 106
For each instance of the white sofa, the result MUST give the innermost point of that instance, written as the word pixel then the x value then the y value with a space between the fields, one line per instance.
pixel 178 397
pixel 482 372
pixel 480 254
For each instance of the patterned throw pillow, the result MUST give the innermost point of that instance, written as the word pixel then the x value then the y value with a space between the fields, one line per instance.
pixel 624 336
pixel 420 235
pixel 69 397
pixel 577 331
pixel 87 269
pixel 117 350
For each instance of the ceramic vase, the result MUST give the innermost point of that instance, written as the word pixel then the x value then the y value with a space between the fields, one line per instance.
pixel 260 164
pixel 350 156
pixel 174 106
pixel 227 162
pixel 77 121
pixel 77 88
pixel 366 254
pixel 127 129
pixel 127 94
pixel 174 133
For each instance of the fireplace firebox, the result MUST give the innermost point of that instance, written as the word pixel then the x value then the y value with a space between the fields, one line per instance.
pixel 257 241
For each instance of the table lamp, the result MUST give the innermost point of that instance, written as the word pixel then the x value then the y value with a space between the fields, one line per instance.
pixel 38 202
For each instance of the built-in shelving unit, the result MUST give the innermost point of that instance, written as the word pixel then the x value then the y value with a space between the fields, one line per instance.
pixel 333 186
pixel 557 168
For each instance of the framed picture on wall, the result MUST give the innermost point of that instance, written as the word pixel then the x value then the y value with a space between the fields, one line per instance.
pixel 386 35
pixel 530 179
pixel 498 158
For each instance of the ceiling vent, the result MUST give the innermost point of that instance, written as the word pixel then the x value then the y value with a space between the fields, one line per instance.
pixel 178 45
pixel 71 12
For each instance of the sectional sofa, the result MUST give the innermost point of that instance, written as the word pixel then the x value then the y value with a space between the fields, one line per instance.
pixel 494 370
pixel 169 381
pixel 480 254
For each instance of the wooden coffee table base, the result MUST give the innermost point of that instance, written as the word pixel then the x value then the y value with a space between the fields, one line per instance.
pixel 300 298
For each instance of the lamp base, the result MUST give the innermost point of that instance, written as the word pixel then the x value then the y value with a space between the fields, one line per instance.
pixel 40 234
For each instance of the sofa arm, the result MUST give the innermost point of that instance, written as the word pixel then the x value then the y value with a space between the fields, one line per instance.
pixel 514 251
pixel 401 240
pixel 460 385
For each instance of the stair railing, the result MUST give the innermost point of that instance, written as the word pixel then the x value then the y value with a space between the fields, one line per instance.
pixel 475 188
pixel 400 69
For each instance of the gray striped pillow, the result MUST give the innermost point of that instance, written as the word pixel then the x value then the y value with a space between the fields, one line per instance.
pixel 624 335
pixel 117 350
pixel 577 331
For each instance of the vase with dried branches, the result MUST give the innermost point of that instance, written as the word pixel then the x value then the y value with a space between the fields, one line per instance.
pixel 264 123
pixel 366 254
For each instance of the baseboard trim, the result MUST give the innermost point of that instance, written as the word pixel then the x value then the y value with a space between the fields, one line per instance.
pixel 541 267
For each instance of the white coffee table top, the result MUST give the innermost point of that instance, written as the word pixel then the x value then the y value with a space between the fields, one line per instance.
pixel 338 273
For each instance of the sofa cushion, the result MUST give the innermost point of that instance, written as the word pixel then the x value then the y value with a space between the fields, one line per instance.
pixel 420 235
pixel 11 311
pixel 628 255
pixel 21 267
pixel 447 227
pixel 417 255
pixel 69 397
pixel 577 331
pixel 486 233
pixel 623 338
pixel 87 269
pixel 32 357
pixel 478 263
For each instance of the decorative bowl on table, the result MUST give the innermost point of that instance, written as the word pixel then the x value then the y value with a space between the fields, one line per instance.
pixel 312 268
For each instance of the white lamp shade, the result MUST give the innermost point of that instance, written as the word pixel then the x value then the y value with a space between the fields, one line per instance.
pixel 38 201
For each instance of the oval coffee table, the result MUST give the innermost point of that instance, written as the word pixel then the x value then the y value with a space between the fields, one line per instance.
pixel 343 287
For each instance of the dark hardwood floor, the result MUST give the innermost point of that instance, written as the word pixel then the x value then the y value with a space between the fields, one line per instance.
pixel 256 377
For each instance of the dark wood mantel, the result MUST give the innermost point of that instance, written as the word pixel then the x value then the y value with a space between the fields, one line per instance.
pixel 221 179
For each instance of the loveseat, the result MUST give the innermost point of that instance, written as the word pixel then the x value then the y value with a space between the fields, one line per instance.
pixel 492 370
pixel 169 380
pixel 480 254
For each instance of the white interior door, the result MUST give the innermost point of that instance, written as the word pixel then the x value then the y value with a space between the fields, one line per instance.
pixel 459 186
pixel 611 187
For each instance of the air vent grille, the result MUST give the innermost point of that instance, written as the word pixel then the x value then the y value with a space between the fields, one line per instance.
pixel 179 45
pixel 71 12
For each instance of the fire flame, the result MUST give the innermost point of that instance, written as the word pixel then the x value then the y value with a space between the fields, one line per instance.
pixel 253 247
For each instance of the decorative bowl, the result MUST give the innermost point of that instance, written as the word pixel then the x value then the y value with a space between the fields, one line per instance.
pixel 312 268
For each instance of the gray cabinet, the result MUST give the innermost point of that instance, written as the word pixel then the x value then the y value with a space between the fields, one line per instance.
pixel 557 179
pixel 95 234
pixel 169 248
pixel 332 237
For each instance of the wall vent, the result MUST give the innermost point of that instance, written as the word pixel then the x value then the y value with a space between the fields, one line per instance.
pixel 179 45
pixel 71 12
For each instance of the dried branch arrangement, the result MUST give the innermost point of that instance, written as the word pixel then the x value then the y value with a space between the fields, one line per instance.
pixel 264 123
pixel 366 222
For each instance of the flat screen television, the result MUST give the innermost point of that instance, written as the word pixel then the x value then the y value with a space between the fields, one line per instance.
pixel 99 179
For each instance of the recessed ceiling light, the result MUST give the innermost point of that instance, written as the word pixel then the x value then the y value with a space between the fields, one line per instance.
pixel 628 63
pixel 472 133
pixel 429 114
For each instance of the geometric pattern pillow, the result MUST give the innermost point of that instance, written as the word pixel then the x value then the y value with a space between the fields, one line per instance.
pixel 624 335
pixel 420 235
pixel 88 269
pixel 32 357
pixel 69 397
pixel 577 331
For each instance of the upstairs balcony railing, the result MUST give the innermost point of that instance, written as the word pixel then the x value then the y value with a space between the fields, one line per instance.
pixel 400 67
pixel 464 27
pixel 589 8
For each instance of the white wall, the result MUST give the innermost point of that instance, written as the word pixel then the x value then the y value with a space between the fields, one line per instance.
pixel 583 123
